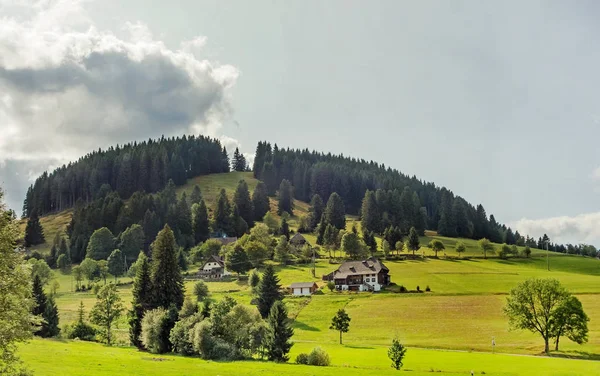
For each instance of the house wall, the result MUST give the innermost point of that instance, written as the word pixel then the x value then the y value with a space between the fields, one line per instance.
pixel 301 291
pixel 214 265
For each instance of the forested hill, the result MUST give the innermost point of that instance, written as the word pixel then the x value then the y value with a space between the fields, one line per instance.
pixel 397 198
pixel 145 166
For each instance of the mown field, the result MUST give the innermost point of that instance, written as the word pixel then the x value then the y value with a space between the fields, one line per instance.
pixel 448 330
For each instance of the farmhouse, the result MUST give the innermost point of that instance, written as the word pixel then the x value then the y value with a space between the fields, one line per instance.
pixel 298 240
pixel 214 268
pixel 366 275
pixel 303 288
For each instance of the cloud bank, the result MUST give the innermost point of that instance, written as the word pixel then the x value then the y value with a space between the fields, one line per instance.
pixel 583 228
pixel 67 88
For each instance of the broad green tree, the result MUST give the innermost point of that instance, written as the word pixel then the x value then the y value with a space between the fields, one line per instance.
pixel 413 240
pixel 340 322
pixel 335 212
pixel 132 242
pixel 107 311
pixel 436 246
pixel 101 244
pixel 353 246
pixel 236 260
pixel 278 339
pixel 460 248
pixel 116 264
pixel 486 246
pixel 571 321
pixel 396 354
pixel 200 291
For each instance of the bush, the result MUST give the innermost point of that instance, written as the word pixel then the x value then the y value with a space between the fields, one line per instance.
pixel 95 288
pixel 403 289
pixel 200 290
pixel 80 331
pixel 330 285
pixel 427 288
pixel 318 357
pixel 302 358
pixel 418 289
pixel 152 330
pixel 181 335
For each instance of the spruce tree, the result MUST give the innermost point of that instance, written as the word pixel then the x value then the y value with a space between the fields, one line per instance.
pixel 316 211
pixel 200 222
pixel 34 234
pixel 269 176
pixel 268 291
pixel 142 298
pixel 50 325
pixel 335 213
pixel 285 198
pixel 242 200
pixel 369 215
pixel 196 195
pixel 238 162
pixel 222 214
pixel 260 201
pixel 277 340
pixel 284 229
pixel 39 297
pixel 167 281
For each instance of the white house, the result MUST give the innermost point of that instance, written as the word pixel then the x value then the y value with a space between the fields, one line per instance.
pixel 303 288
pixel 366 275
pixel 214 268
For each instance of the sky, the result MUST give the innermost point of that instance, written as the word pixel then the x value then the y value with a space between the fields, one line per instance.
pixel 497 101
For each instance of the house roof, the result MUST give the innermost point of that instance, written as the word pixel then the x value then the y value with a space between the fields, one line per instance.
pixel 298 285
pixel 368 266
pixel 216 259
pixel 298 238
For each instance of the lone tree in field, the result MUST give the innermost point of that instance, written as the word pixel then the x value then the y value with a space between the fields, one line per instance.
pixel 268 291
pixel 413 240
pixel 107 310
pixel 34 234
pixel 341 322
pixel 279 333
pixel 486 246
pixel 460 248
pixel 436 246
pixel 545 307
pixel 396 353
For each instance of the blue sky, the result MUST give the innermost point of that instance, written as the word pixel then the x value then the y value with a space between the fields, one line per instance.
pixel 495 100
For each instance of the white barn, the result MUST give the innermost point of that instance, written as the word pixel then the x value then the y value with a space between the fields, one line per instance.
pixel 303 288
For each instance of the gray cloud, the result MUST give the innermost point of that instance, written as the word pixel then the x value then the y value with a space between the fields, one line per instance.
pixel 583 228
pixel 67 88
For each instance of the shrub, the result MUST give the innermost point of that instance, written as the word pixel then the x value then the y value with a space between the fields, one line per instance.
pixel 302 358
pixel 427 288
pixel 200 290
pixel 80 331
pixel 318 357
pixel 418 289
pixel 95 288
pixel 330 285
pixel 403 289
pixel 181 335
pixel 152 330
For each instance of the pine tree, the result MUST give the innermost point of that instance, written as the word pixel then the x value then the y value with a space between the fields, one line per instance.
pixel 277 341
pixel 39 296
pixel 200 222
pixel 196 195
pixel 335 213
pixel 50 326
pixel 238 162
pixel 142 299
pixel 268 291
pixel 242 200
pixel 167 282
pixel 285 198
pixel 151 227
pixel 369 215
pixel 222 214
pixel 34 234
pixel 183 219
pixel 316 211
pixel 238 224
pixel 284 229
pixel 269 177
pixel 260 201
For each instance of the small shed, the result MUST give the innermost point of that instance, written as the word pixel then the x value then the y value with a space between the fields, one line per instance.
pixel 303 288
pixel 298 240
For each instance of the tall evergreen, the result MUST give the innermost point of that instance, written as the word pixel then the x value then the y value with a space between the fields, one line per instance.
pixel 335 212
pixel 34 233
pixel 39 296
pixel 279 334
pixel 200 222
pixel 238 225
pixel 413 240
pixel 196 195
pixel 285 198
pixel 50 326
pixel 238 162
pixel 167 281
pixel 242 200
pixel 317 207
pixel 142 299
pixel 369 215
pixel 269 177
pixel 151 227
pixel 260 201
pixel 222 213
pixel 268 291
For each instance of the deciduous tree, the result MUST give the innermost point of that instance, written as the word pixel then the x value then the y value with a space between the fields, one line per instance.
pixel 107 311
pixel 340 322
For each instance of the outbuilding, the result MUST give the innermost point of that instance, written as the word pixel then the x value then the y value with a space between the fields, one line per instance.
pixel 303 288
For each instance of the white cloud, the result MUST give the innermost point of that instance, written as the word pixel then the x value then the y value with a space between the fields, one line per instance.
pixel 583 228
pixel 595 175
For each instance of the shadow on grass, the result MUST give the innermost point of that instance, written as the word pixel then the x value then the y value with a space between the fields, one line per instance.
pixel 583 355
pixel 359 347
pixel 302 326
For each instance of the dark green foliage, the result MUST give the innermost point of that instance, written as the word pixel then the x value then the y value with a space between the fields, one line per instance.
pixel 196 195
pixel 269 177
pixel 34 233
pixel 81 330
pixel 182 259
pixel 335 213
pixel 242 200
pixel 268 291
pixel 260 201
pixel 340 322
pixel 63 263
pixel 284 229
pixel 238 162
pixel 101 244
pixel 106 311
pixel 571 321
pixel 200 222
pixel 238 225
pixel 167 282
pixel 206 309
pixel 144 166
pixel 413 240
pixel 393 235
pixel 285 198
pixel 132 242
pixel 50 324
pixel 200 291
pixel 116 263
pixel 353 246
pixel 151 226
pixel 236 260
pixel 396 353
pixel 222 214
pixel 277 341
pixel 317 207
pixel 39 297
pixel 369 214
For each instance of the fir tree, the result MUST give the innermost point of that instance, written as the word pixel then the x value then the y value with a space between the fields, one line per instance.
pixel 200 222
pixel 39 297
pixel 238 224
pixel 268 291
pixel 238 162
pixel 413 240
pixel 222 214
pixel 196 195
pixel 34 234
pixel 242 200
pixel 167 282
pixel 284 229
pixel 277 340
pixel 285 198
pixel 50 325
pixel 369 215
pixel 260 201
pixel 335 213
pixel 316 211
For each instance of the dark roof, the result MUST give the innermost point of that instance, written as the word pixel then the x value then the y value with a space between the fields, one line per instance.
pixel 298 285
pixel 298 239
pixel 214 258
pixel 368 266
